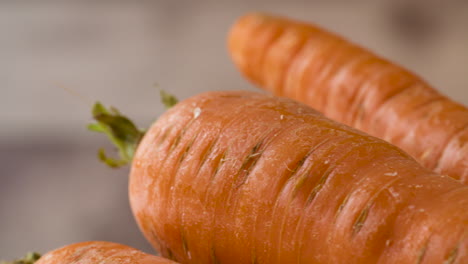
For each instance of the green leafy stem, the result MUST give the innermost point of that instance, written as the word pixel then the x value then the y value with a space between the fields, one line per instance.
pixel 121 131
pixel 30 258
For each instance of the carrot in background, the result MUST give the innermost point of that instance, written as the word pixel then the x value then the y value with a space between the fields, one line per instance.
pixel 353 86
pixel 93 252
pixel 240 177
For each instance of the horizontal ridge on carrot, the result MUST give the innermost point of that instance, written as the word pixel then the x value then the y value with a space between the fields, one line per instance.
pixel 241 177
pixel 353 86
pixel 95 252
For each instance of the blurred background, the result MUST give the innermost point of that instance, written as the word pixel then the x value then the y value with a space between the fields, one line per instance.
pixel 53 191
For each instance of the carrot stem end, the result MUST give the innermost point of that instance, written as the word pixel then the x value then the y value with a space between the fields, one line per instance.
pixel 30 258
pixel 121 131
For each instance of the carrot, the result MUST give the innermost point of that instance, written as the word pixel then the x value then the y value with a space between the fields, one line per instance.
pixel 241 177
pixel 93 253
pixel 353 86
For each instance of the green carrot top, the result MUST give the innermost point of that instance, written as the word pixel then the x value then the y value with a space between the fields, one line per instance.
pixel 122 132
pixel 30 258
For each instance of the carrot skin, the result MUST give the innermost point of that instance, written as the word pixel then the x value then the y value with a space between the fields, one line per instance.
pixel 100 252
pixel 254 178
pixel 353 86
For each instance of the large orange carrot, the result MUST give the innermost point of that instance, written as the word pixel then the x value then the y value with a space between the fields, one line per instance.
pixel 353 86
pixel 96 252
pixel 241 177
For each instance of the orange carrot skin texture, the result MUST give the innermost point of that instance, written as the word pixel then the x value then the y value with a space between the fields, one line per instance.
pixel 241 177
pixel 353 86
pixel 101 252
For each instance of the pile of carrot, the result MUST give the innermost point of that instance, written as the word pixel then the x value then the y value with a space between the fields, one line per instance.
pixel 244 177
pixel 354 86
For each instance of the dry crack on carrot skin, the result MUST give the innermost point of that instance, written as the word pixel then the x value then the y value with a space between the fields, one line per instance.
pixel 360 220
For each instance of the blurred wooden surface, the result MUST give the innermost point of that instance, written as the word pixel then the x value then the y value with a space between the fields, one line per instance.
pixel 53 191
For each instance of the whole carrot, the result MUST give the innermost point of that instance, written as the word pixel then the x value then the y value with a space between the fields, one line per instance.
pixel 240 177
pixel 353 86
pixel 93 253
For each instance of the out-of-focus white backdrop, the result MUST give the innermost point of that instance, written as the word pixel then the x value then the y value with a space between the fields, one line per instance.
pixel 53 191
